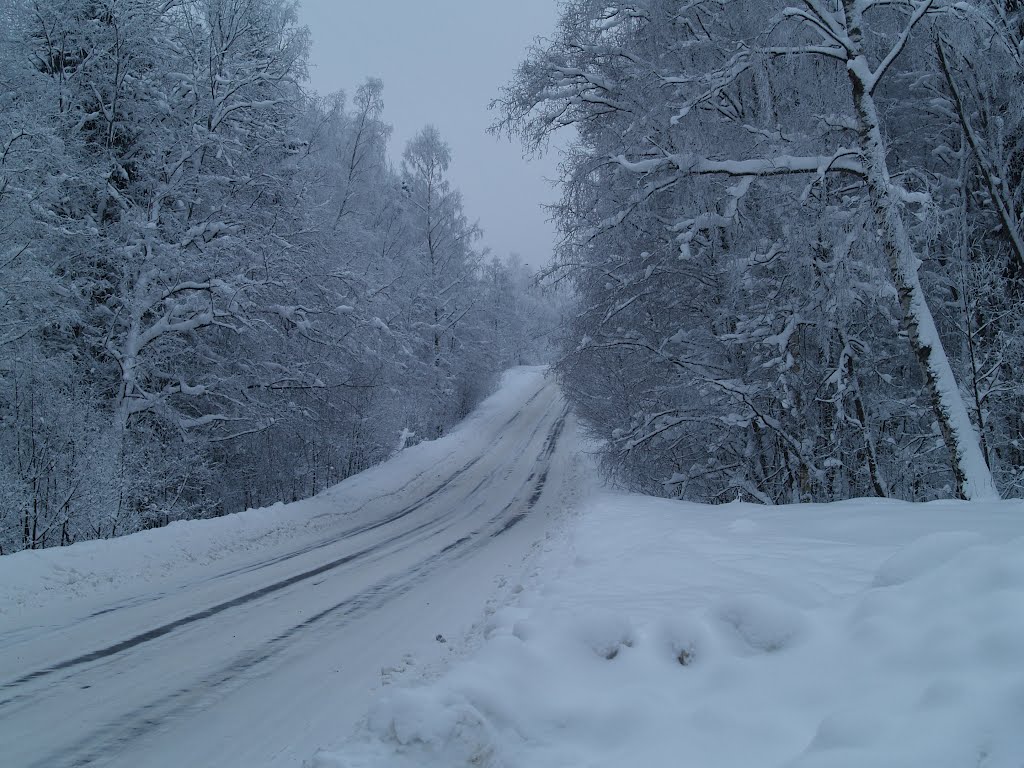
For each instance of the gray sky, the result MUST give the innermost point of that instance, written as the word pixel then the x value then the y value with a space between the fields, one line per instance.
pixel 442 61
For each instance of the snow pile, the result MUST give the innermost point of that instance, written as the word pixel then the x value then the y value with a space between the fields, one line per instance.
pixel 123 567
pixel 659 633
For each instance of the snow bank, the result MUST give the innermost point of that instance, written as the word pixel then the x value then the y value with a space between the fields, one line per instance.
pixel 659 633
pixel 119 568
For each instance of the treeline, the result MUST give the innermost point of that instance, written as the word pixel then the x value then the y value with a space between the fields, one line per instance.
pixel 216 292
pixel 795 228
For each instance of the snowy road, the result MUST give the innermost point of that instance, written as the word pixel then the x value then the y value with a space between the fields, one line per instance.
pixel 273 639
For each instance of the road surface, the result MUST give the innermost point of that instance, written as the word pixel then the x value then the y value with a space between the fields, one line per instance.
pixel 260 654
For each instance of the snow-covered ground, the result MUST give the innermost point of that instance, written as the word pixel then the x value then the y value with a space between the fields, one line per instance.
pixel 656 633
pixel 487 605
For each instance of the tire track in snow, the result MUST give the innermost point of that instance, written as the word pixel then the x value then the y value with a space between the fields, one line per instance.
pixel 137 724
pixel 538 487
pixel 165 629
pixel 374 525
pixel 335 539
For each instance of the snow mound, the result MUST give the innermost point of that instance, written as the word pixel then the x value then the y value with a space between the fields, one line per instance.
pixel 437 727
pixel 762 623
pixel 923 555
pixel 941 682
pixel 605 634
pixel 682 639
pixel 827 636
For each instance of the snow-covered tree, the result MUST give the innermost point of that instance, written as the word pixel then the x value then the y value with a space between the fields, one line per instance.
pixel 441 272
pixel 214 291
pixel 739 229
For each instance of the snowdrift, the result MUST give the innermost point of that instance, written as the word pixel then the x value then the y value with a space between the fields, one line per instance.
pixel 658 633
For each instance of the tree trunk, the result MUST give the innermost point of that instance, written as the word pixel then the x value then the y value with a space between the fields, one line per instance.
pixel 971 472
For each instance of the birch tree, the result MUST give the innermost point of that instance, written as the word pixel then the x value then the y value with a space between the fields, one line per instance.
pixel 442 266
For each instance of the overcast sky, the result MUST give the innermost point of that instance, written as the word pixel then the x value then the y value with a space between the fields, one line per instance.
pixel 442 61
